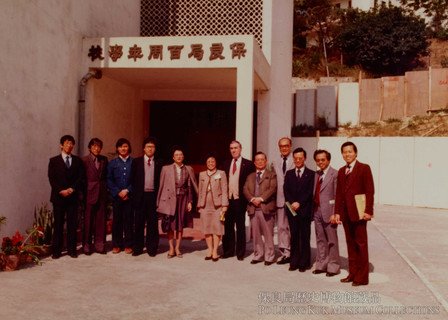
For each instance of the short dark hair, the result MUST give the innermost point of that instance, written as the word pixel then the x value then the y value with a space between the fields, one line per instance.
pixel 123 141
pixel 299 149
pixel 210 155
pixel 319 151
pixel 67 137
pixel 236 141
pixel 349 143
pixel 149 140
pixel 95 141
pixel 260 152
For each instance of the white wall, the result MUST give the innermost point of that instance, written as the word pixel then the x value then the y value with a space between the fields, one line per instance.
pixel 407 171
pixel 40 71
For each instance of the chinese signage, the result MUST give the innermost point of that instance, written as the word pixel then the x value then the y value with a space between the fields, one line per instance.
pixel 173 52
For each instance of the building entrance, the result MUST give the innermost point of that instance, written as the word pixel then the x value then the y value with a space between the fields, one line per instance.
pixel 198 127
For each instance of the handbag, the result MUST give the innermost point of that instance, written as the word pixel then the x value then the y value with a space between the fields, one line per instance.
pixel 166 221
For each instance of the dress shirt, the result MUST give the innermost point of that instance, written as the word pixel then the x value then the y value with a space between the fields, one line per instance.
pixel 149 173
pixel 234 179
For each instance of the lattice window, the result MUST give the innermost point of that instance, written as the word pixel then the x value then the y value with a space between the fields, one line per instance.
pixel 201 17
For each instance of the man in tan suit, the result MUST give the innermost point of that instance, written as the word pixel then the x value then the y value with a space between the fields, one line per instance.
pixel 260 190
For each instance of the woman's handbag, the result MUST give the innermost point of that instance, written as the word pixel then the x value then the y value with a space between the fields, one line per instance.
pixel 165 223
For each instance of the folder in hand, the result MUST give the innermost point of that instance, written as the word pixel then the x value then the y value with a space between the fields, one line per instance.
pixel 288 205
pixel 360 200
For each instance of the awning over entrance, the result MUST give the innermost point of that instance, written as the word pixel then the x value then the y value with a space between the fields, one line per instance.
pixel 234 63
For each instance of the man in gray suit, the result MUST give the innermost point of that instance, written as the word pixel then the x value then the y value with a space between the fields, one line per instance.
pixel 325 182
pixel 259 190
pixel 284 163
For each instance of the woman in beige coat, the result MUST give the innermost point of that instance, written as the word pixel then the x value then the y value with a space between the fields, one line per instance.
pixel 212 204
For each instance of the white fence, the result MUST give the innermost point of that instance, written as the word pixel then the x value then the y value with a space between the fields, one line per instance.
pixel 408 171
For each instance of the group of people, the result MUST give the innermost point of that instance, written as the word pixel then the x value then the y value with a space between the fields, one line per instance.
pixel 284 192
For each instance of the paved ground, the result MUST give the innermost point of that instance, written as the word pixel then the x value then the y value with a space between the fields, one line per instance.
pixel 407 252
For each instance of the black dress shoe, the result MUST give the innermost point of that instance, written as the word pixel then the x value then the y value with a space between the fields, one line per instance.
pixel 292 268
pixel 88 253
pixel 318 271
pixel 56 256
pixel 302 269
pixel 347 279
pixel 152 254
pixel 268 263
pixel 357 284
pixel 136 253
pixel 255 261
pixel 73 255
pixel 331 274
pixel 284 260
pixel 226 256
pixel 102 252
pixel 215 259
pixel 240 258
pixel 208 258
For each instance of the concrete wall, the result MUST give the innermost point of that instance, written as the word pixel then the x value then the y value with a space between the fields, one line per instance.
pixel 40 68
pixel 407 171
pixel 348 103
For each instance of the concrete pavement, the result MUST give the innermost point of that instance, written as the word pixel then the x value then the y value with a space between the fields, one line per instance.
pixel 407 252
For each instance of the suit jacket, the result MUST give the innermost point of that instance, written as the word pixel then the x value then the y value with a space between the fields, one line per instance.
pixel 277 165
pixel 327 194
pixel 138 178
pixel 267 191
pixel 218 188
pixel 166 197
pixel 96 179
pixel 62 178
pixel 359 181
pixel 247 167
pixel 300 190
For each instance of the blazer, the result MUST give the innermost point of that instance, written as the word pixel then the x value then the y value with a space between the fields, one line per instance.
pixel 327 194
pixel 166 197
pixel 277 165
pixel 95 187
pixel 247 167
pixel 138 178
pixel 267 190
pixel 62 178
pixel 218 188
pixel 300 190
pixel 359 181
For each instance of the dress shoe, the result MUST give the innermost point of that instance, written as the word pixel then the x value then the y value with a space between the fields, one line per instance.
pixel 318 271
pixel 88 253
pixel 102 251
pixel 226 256
pixel 347 279
pixel 331 274
pixel 128 250
pixel 56 256
pixel 357 284
pixel 74 255
pixel 302 269
pixel 240 258
pixel 215 259
pixel 152 254
pixel 255 261
pixel 208 258
pixel 292 268
pixel 179 255
pixel 136 253
pixel 116 250
pixel 284 260
pixel 169 255
pixel 268 263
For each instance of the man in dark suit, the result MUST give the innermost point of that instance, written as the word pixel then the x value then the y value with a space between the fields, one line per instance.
pixel 95 165
pixel 66 174
pixel 145 178
pixel 355 178
pixel 298 189
pixel 260 190
pixel 327 245
pixel 237 169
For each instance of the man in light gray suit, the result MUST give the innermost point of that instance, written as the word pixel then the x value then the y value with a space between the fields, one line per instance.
pixel 325 182
pixel 281 165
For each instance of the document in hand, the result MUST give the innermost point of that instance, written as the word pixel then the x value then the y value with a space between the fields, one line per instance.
pixel 360 200
pixel 293 212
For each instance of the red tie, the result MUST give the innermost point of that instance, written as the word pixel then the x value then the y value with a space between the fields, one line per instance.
pixel 149 162
pixel 234 167
pixel 317 193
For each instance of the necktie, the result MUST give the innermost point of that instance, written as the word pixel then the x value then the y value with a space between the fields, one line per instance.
pixel 298 173
pixel 258 177
pixel 347 170
pixel 234 167
pixel 67 161
pixel 97 163
pixel 317 190
pixel 149 162
pixel 284 165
